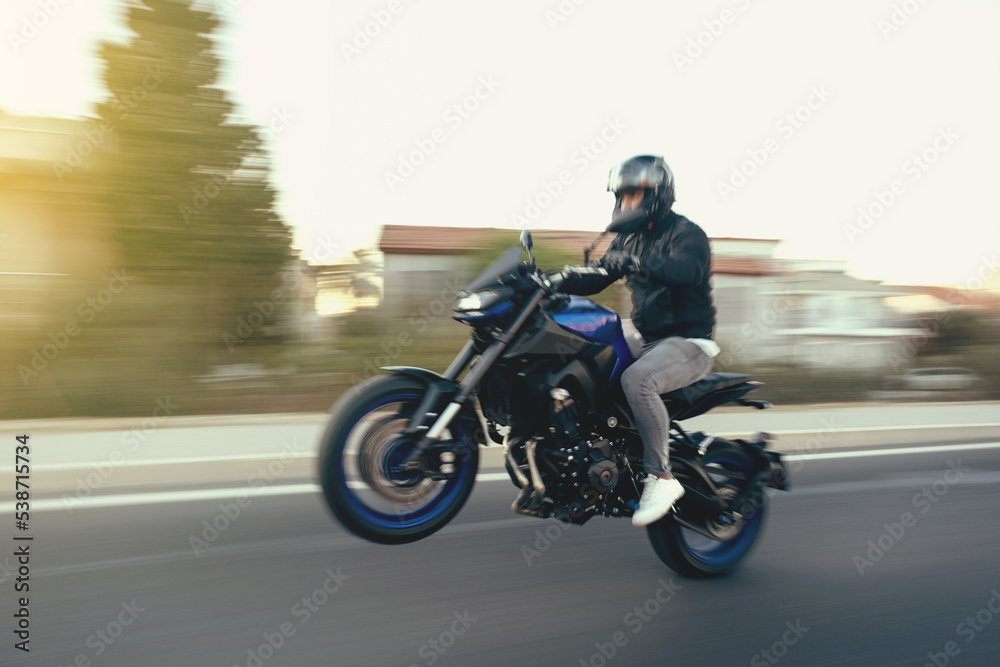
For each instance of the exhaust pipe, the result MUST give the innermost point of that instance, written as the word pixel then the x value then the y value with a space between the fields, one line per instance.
pixel 531 500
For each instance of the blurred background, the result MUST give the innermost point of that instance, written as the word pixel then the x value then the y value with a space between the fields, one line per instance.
pixel 249 207
pixel 218 215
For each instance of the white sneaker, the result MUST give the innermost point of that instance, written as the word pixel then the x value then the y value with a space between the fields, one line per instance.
pixel 658 496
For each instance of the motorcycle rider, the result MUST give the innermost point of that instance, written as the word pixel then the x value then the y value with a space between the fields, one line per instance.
pixel 666 260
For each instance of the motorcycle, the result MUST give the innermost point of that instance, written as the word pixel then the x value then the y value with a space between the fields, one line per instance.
pixel 400 453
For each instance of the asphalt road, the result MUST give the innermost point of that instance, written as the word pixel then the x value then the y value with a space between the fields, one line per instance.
pixel 119 583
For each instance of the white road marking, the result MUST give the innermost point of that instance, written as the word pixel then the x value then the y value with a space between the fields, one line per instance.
pixel 860 429
pixel 138 463
pixel 890 452
pixel 156 497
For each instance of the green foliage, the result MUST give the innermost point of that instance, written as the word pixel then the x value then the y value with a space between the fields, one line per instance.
pixel 961 329
pixel 186 191
pixel 181 193
pixel 967 339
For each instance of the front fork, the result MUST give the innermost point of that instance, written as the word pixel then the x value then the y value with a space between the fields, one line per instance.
pixel 460 393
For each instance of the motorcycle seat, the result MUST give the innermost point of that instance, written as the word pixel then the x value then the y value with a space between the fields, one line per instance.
pixel 705 386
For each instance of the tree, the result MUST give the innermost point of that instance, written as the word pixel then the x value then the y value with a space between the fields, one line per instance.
pixel 961 329
pixel 187 190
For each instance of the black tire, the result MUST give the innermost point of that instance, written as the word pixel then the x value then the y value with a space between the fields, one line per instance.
pixel 696 556
pixel 356 513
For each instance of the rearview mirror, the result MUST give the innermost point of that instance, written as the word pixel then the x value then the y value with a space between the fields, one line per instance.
pixel 526 244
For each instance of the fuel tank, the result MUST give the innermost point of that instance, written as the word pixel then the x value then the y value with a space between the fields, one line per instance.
pixel 598 324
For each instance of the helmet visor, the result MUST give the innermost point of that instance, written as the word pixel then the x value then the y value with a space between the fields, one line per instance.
pixel 634 174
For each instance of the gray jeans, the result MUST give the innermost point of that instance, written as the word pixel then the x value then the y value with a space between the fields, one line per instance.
pixel 666 365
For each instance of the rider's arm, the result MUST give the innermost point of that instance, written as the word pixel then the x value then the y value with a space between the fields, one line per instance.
pixel 591 283
pixel 688 261
pixel 585 285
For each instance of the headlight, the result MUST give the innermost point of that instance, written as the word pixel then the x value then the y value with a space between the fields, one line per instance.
pixel 477 303
pixel 472 301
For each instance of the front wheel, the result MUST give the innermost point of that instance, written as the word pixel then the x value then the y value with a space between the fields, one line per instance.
pixel 692 554
pixel 360 471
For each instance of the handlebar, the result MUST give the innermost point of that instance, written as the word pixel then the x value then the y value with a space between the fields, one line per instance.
pixel 557 278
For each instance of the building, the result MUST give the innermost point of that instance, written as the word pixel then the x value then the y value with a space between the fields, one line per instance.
pixel 829 318
pixel 805 312
pixel 47 232
pixel 423 262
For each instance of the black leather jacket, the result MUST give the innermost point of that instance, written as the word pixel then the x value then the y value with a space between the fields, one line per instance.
pixel 671 292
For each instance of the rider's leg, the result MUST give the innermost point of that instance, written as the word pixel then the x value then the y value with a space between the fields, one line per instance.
pixel 666 365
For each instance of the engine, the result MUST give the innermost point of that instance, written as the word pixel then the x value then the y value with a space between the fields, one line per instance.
pixel 570 473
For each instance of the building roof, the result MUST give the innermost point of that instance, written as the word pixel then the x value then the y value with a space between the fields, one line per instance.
pixel 431 240
pixel 952 296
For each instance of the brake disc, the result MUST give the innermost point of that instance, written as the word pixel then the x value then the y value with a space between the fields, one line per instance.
pixel 381 450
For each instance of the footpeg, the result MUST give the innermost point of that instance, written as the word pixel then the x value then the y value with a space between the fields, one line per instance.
pixel 529 502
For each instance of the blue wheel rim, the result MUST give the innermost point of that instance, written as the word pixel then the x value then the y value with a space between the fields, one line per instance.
pixel 720 554
pixel 446 494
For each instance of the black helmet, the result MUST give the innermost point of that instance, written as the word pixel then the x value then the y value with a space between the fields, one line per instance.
pixel 649 172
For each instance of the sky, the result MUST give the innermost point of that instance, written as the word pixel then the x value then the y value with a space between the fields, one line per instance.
pixel 862 131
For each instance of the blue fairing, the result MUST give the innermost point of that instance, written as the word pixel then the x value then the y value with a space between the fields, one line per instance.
pixel 598 324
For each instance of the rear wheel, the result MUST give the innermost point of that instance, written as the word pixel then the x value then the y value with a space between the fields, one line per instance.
pixel 692 554
pixel 360 473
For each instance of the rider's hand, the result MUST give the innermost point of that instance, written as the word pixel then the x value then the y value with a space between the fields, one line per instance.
pixel 619 263
pixel 555 278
